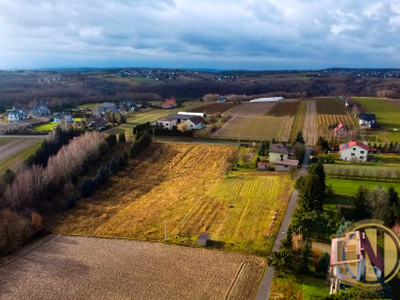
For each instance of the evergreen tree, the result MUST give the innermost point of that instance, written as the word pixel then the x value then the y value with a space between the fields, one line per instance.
pixel 87 188
pixel 305 254
pixel 122 138
pixel 323 144
pixel 299 138
pixel 323 266
pixel 394 206
pixel 361 207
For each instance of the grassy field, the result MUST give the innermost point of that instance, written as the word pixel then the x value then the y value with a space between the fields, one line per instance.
pixel 22 155
pixel 349 187
pixel 215 107
pixel 5 140
pixel 257 128
pixel 329 106
pixel 299 120
pixel 249 109
pixel 284 109
pixel 45 127
pixel 365 172
pixel 89 105
pixel 185 185
pixel 387 114
pixel 304 287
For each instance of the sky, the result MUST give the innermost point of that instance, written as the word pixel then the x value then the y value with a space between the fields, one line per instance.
pixel 215 34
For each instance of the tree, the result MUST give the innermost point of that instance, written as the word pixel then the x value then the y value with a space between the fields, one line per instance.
pixel 361 207
pixel 13 231
pixel 378 204
pixel 323 266
pixel 343 227
pixel 280 261
pixel 111 140
pixel 298 151
pixel 323 144
pixel 305 254
pixel 122 138
pixel 394 206
pixel 71 200
pixel 299 138
pixel 87 188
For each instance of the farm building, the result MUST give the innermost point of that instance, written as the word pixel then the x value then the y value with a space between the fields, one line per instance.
pixel 222 99
pixel 17 115
pixel 167 123
pixel 40 111
pixel 188 113
pixel 354 151
pixel 348 256
pixel 279 152
pixel 286 164
pixel 58 118
pixel 367 120
pixel 271 99
pixel 98 123
pixel 340 130
pixel 204 239
pixel 262 166
pixel 168 104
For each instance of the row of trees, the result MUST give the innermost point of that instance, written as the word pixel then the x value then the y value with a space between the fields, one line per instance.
pixel 376 173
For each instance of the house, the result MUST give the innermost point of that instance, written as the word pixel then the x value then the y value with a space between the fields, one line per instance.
pixel 40 111
pixel 340 130
pixel 286 164
pixel 353 151
pixel 62 117
pixel 168 104
pixel 127 106
pixel 367 120
pixel 279 152
pixel 194 123
pixel 17 115
pixel 262 166
pixel 167 123
pixel 222 99
pixel 204 239
pixel 349 261
pixel 98 123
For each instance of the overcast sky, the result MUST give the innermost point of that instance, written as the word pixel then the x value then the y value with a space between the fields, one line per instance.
pixel 219 34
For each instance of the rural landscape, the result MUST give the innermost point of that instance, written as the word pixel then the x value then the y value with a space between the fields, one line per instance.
pixel 217 149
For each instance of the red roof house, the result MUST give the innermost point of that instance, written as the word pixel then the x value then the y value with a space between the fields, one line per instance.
pixel 170 104
pixel 353 144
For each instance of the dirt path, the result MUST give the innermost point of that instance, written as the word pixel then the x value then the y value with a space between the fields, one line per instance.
pixel 310 129
pixel 12 147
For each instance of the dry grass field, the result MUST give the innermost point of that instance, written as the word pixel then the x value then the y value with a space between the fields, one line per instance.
pixel 329 106
pixel 94 268
pixel 185 184
pixel 310 130
pixel 299 120
pixel 325 120
pixel 215 107
pixel 257 128
pixel 285 109
pixel 251 109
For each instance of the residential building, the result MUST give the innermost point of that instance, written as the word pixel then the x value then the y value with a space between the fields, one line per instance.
pixel 167 123
pixel 353 151
pixel 367 120
pixel 62 117
pixel 171 103
pixel 340 130
pixel 194 123
pixel 222 99
pixel 98 123
pixel 279 152
pixel 40 111
pixel 17 115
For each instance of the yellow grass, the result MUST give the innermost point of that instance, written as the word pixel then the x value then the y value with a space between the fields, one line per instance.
pixel 185 184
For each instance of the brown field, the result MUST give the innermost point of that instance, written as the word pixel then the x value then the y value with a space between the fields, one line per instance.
pixel 257 128
pixel 325 120
pixel 185 185
pixel 251 109
pixel 310 130
pixel 299 120
pixel 284 109
pixel 329 106
pixel 94 268
pixel 214 108
pixel 14 146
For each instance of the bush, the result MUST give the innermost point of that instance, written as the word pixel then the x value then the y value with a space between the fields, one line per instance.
pixel 37 221
pixel 13 231
pixel 71 201
pixel 122 138
pixel 88 188
pixel 111 140
pixel 323 265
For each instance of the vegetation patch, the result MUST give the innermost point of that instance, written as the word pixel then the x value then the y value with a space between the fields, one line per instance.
pixel 284 109
pixel 329 106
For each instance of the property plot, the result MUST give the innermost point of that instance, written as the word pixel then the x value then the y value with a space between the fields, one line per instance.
pixel 284 109
pixel 185 185
pixel 252 109
pixel 329 106
pixel 257 128
pixel 93 268
pixel 215 107
pixel 310 130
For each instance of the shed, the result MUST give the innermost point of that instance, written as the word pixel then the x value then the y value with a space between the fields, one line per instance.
pixel 204 239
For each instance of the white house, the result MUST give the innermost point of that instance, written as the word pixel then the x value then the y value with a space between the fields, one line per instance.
pixel 167 123
pixel 279 152
pixel 58 118
pixel 40 111
pixel 367 120
pixel 354 151
pixel 17 115
pixel 194 123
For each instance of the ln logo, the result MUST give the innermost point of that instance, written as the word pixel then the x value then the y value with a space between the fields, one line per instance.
pixel 369 254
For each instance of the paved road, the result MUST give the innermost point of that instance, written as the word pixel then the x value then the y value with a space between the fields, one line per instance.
pixel 266 282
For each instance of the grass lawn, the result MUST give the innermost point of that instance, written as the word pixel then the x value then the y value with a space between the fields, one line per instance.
pixel 300 287
pixel 46 127
pixel 185 184
pixel 344 187
pixel 5 140
pixel 89 105
pixel 22 155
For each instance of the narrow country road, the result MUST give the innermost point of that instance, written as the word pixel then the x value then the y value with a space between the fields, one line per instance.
pixel 266 282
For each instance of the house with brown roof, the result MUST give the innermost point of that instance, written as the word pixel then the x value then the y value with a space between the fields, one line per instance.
pixel 279 151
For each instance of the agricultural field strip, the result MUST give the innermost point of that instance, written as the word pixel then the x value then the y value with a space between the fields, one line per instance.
pixel 284 109
pixel 310 130
pixel 329 107
pixel 13 147
pixel 299 120
pixel 102 268
pixel 251 109
pixel 325 120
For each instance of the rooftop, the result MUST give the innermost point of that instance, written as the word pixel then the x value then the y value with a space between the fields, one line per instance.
pixel 279 148
pixel 353 144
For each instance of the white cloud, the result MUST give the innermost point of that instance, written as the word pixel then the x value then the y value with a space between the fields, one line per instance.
pixel 209 33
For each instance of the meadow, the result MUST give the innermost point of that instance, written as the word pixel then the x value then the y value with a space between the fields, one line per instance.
pixel 186 186
pixel 349 187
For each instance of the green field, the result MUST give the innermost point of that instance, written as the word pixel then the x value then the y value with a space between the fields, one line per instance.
pixel 387 114
pixel 45 127
pixel 378 172
pixel 89 105
pixel 349 187
pixel 22 155
pixel 301 287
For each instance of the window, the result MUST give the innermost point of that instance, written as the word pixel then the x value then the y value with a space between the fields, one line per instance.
pixel 361 157
pixel 354 149
pixel 353 154
pixel 362 152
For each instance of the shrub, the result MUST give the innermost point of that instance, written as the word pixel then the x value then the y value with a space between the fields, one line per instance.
pixel 122 138
pixel 88 188
pixel 13 231
pixel 111 140
pixel 323 265
pixel 37 221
